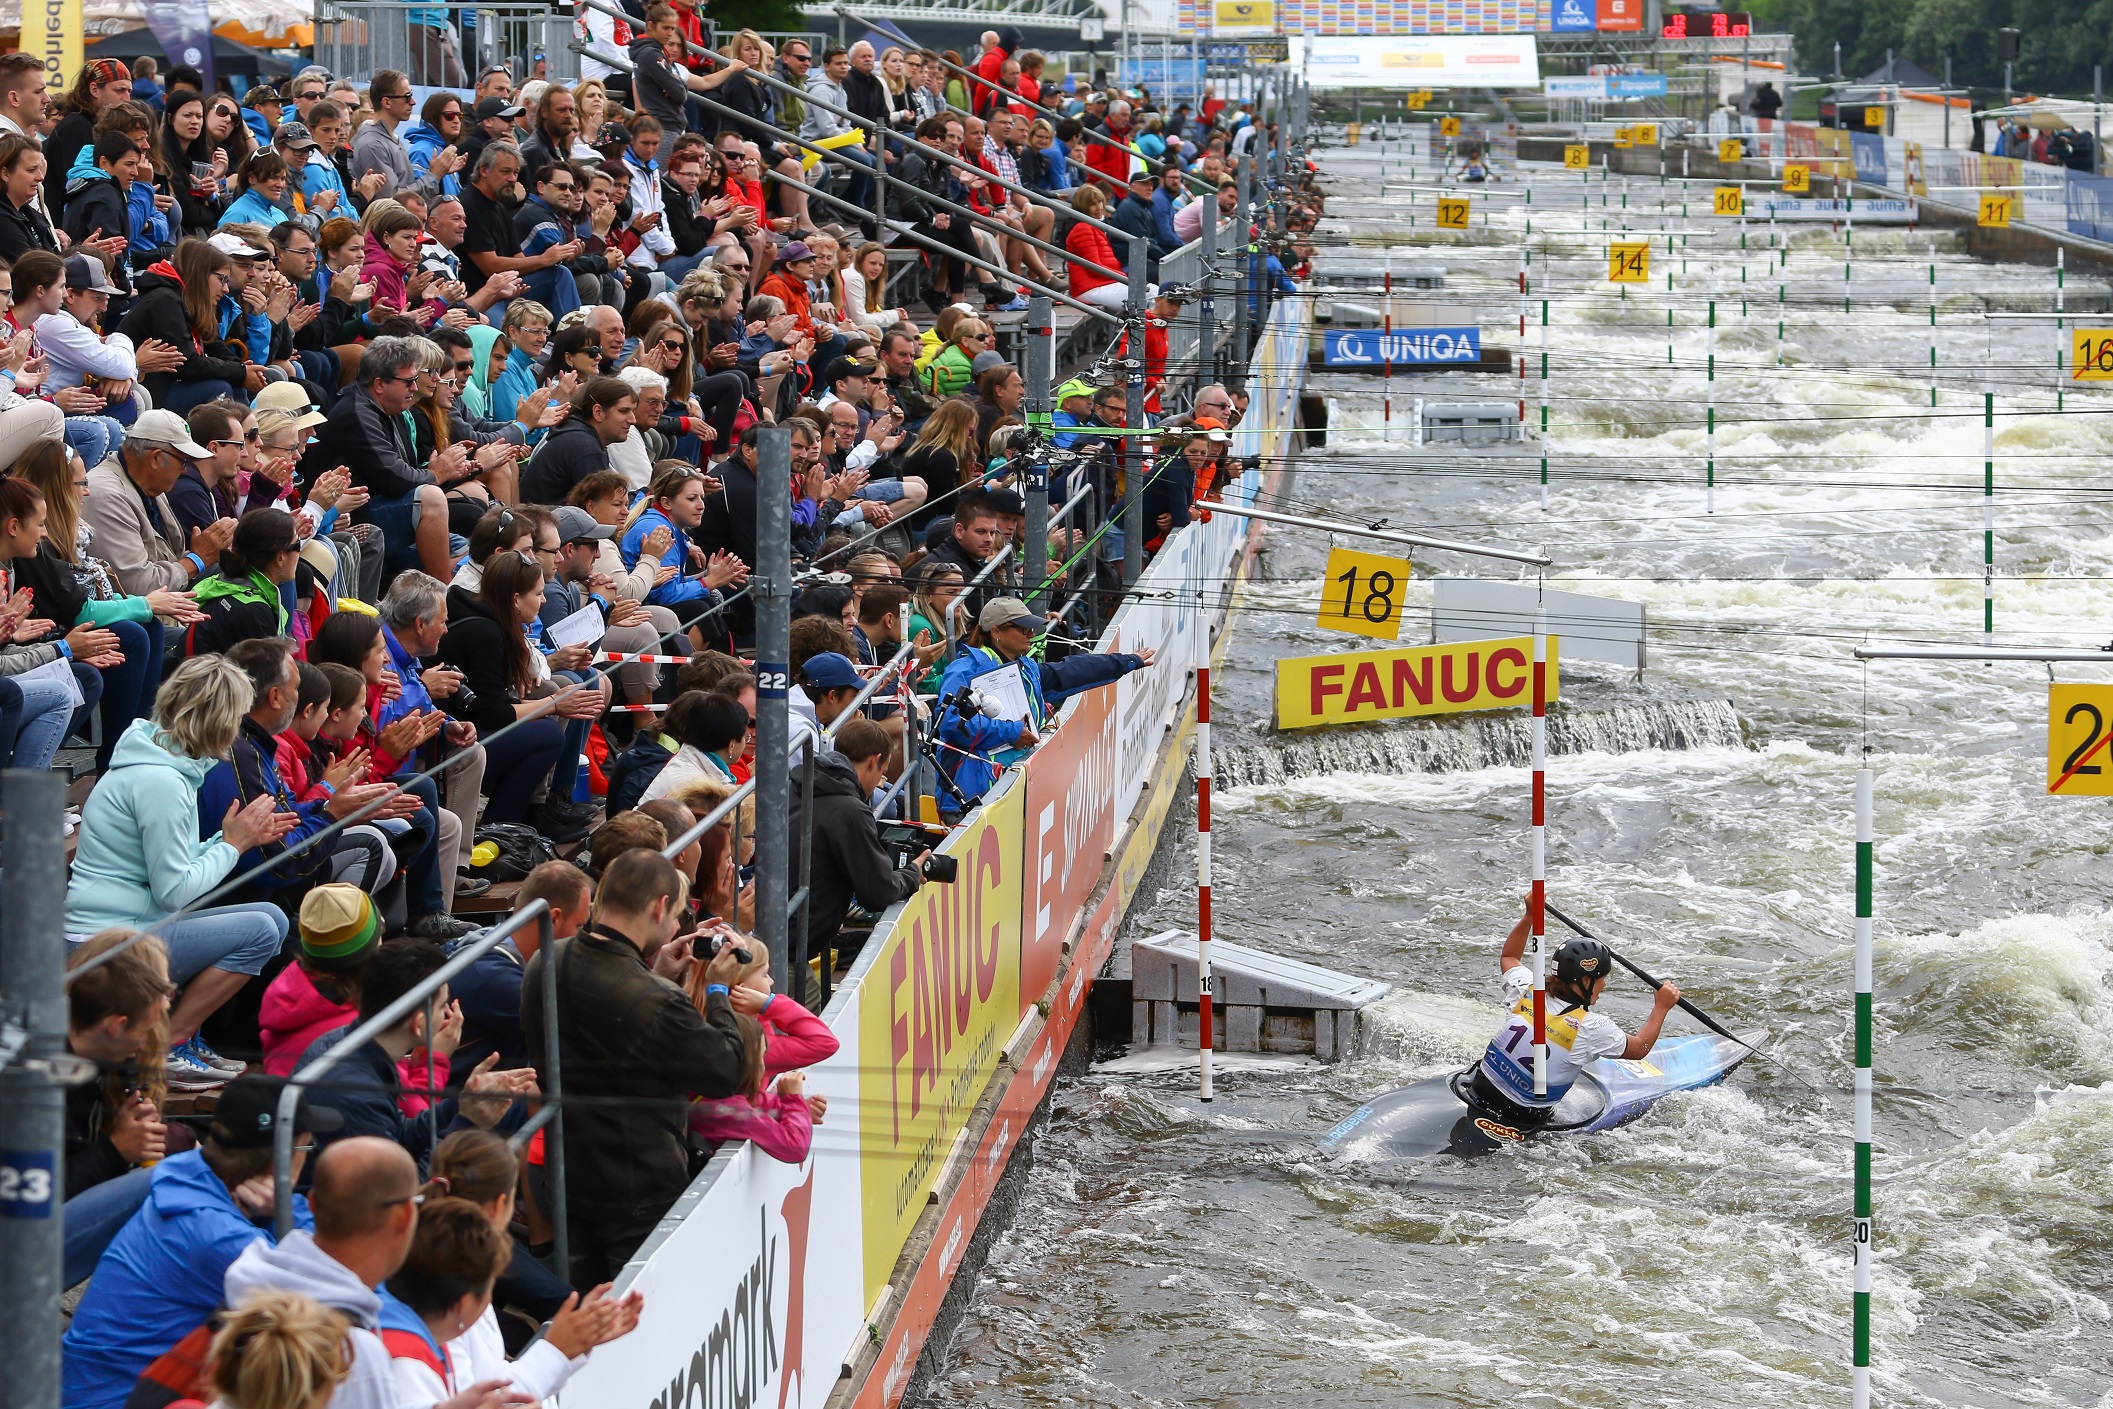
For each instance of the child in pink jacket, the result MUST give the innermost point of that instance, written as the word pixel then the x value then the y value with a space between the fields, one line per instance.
pixel 778 1035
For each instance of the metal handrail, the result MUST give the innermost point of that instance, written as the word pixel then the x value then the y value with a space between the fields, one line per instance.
pixel 877 129
pixel 954 607
pixel 290 1094
pixel 884 178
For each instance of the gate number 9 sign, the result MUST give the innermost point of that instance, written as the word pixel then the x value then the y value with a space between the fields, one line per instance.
pixel 1364 593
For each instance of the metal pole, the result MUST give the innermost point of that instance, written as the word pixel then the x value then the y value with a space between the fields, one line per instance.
pixel 1207 305
pixel 2098 93
pixel 1988 515
pixel 1860 1371
pixel 1138 457
pixel 554 1093
pixel 32 1103
pixel 1041 370
pixel 772 589
pixel 1947 102
pixel 1243 287
pixel 1203 841
pixel 1385 535
pixel 1386 345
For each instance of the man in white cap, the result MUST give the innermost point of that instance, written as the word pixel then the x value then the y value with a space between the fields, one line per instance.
pixel 248 266
pixel 128 511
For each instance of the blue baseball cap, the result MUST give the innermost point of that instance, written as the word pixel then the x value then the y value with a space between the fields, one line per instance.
pixel 832 671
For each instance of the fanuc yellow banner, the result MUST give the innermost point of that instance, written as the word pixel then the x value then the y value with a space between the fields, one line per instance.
pixel 941 998
pixel 1359 686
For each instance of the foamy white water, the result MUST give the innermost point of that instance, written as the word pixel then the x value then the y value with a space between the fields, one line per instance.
pixel 1169 1254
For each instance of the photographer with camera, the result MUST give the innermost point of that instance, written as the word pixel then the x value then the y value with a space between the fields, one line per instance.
pixel 849 860
pixel 974 738
pixel 634 1050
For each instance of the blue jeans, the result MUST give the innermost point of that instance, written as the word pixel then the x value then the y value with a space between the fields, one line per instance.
pixel 128 689
pixel 554 289
pixel 422 867
pixel 678 266
pixel 515 763
pixel 565 776
pixel 33 719
pixel 94 438
pixel 860 191
pixel 240 939
pixel 94 1216
pixel 398 520
pixel 185 395
pixel 89 681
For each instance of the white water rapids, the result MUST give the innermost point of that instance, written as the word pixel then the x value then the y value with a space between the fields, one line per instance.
pixel 1166 1253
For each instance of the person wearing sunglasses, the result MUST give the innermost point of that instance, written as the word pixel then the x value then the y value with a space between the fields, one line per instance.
pixel 439 126
pixel 379 147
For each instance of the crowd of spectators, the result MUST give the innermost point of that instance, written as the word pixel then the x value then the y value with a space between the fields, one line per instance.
pixel 378 513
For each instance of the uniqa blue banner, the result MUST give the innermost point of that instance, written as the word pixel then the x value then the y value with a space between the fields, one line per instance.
pixel 1410 347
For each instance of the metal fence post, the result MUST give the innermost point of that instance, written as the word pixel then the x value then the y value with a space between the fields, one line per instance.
pixel 773 593
pixel 32 1105
pixel 796 937
pixel 1041 371
pixel 1207 332
pixel 1135 457
pixel 1243 286
pixel 554 1093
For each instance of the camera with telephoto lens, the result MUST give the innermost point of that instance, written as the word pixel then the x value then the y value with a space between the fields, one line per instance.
pixel 905 842
pixel 943 869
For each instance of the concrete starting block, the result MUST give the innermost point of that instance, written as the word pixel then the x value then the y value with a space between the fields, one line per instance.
pixel 1264 1002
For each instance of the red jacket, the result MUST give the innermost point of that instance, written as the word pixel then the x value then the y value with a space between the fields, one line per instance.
pixel 1090 244
pixel 793 294
pixel 988 68
pixel 1108 156
pixel 1155 357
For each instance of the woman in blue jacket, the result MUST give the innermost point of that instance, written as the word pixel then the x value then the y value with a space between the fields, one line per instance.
pixel 660 528
pixel 141 857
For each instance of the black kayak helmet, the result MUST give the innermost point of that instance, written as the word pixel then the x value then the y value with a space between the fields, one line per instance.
pixel 1580 961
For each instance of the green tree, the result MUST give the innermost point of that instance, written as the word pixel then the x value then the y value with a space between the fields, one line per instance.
pixel 2060 40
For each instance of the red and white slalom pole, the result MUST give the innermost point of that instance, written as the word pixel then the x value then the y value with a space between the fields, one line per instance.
pixel 1203 841
pixel 1523 257
pixel 1386 347
pixel 1537 907
pixel 638 658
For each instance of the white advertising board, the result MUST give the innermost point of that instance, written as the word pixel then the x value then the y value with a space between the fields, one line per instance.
pixel 1418 61
pixel 1591 628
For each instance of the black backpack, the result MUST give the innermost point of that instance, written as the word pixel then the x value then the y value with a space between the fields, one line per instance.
pixel 521 850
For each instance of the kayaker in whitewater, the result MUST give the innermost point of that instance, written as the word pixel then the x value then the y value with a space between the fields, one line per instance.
pixel 1577 1036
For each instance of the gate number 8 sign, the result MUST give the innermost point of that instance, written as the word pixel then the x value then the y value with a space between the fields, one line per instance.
pixel 2079 727
pixel 1364 593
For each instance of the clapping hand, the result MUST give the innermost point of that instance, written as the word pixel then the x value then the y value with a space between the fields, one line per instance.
pixel 256 823
pixel 725 570
pixel 487 1094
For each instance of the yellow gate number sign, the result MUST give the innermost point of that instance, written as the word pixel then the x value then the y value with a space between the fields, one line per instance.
pixel 1797 178
pixel 1730 200
pixel 1875 118
pixel 1995 211
pixel 1364 593
pixel 2091 354
pixel 1452 215
pixel 1577 157
pixel 1629 263
pixel 1645 134
pixel 1731 149
pixel 2079 724
pixel 1449 127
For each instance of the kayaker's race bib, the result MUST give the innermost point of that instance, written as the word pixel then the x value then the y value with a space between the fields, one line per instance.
pixel 1576 1037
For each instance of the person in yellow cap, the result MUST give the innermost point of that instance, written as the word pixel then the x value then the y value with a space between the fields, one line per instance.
pixel 1074 402
pixel 319 991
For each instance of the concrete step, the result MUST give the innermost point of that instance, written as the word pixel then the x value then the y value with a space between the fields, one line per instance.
pixel 1262 1002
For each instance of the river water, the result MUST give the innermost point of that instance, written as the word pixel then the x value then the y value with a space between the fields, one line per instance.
pixel 1166 1253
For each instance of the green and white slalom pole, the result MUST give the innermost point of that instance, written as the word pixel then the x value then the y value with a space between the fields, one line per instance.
pixel 2061 346
pixel 1860 1363
pixel 1988 515
pixel 1711 504
pixel 1933 326
pixel 1544 405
